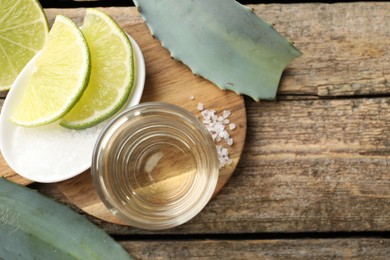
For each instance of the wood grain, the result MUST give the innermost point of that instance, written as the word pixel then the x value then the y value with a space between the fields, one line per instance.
pixel 360 248
pixel 345 47
pixel 307 166
pixel 168 81
pixel 342 43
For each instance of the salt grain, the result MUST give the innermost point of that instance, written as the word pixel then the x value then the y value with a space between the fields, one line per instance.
pixel 200 106
pixel 224 152
pixel 226 113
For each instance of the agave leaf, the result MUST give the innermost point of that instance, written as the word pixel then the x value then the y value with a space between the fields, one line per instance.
pixel 222 41
pixel 35 227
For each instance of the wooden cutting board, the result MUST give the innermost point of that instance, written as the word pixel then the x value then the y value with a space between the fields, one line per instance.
pixel 167 80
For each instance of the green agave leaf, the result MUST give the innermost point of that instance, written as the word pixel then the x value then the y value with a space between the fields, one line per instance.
pixel 222 41
pixel 33 226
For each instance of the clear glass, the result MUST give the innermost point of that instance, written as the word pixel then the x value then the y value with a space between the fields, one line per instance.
pixel 155 166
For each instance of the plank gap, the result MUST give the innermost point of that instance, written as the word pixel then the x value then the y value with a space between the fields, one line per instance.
pixel 297 97
pixel 119 3
pixel 254 236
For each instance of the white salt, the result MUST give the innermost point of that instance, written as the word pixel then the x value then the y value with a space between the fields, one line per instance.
pixel 226 135
pixel 51 152
pixel 226 113
pixel 224 152
pixel 215 124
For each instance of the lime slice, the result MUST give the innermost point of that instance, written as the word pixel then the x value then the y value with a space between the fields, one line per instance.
pixel 112 73
pixel 23 31
pixel 59 78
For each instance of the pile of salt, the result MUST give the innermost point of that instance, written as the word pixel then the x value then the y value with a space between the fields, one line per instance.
pixel 216 125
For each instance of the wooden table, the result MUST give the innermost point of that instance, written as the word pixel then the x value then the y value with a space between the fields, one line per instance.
pixel 314 178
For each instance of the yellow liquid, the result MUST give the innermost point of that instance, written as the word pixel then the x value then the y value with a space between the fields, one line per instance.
pixel 154 168
pixel 161 174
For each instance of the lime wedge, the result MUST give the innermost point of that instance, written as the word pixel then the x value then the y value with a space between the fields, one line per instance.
pixel 59 78
pixel 23 31
pixel 112 72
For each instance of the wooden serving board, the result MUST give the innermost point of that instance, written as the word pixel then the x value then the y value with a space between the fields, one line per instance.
pixel 167 80
pixel 170 81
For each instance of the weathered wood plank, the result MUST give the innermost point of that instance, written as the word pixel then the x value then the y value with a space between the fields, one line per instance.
pixel 308 166
pixel 74 3
pixel 345 47
pixel 318 165
pixel 359 248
